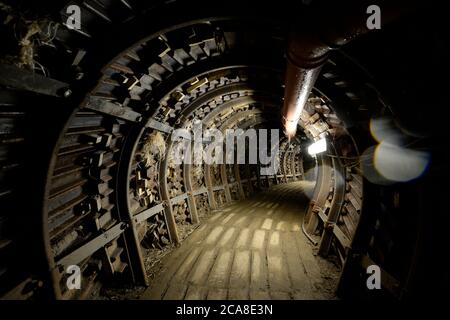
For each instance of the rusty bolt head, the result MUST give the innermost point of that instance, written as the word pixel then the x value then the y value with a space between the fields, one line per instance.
pixel 67 93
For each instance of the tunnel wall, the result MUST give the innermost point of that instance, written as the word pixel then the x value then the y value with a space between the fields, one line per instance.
pixel 112 190
pixel 106 186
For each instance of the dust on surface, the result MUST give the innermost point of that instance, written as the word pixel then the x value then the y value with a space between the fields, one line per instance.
pixel 153 262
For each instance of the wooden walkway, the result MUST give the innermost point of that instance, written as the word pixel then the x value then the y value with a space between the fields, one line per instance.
pixel 253 249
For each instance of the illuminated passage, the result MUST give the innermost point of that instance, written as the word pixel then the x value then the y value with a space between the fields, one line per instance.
pixel 252 249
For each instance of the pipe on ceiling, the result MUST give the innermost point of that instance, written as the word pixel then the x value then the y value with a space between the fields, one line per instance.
pixel 319 30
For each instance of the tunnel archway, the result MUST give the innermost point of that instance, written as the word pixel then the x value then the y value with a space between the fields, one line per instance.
pixel 113 195
pixel 158 85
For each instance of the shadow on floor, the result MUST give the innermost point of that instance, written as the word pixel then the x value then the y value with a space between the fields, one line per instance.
pixel 252 249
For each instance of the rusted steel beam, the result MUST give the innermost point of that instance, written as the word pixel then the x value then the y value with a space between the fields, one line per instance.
pixel 168 211
pixel 187 177
pixel 293 171
pixel 239 182
pixel 248 174
pixel 321 191
pixel 209 186
pixel 92 246
pixel 22 79
pixel 146 214
pixel 200 191
pixel 284 166
pixel 258 177
pixel 302 169
pixel 226 187
pixel 113 109
pixel 131 237
pixel 350 279
pixel 268 181
pixel 336 206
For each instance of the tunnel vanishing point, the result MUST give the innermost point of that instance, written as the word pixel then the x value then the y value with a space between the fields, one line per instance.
pixel 98 202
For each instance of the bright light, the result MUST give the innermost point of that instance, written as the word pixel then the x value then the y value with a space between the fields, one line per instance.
pixel 290 128
pixel 400 164
pixel 318 147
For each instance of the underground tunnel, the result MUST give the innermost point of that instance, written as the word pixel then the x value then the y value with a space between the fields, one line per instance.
pixel 224 151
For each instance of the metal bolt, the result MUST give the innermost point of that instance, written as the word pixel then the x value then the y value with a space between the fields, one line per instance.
pixel 67 93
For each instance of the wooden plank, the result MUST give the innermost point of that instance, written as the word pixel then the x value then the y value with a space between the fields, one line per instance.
pixel 354 201
pixel 22 79
pixel 352 213
pixel 112 109
pixel 200 191
pixel 146 214
pixel 179 198
pixel 322 215
pixel 356 178
pixel 351 226
pixel 341 237
pixel 20 291
pixel 151 123
pixel 356 187
pixel 217 188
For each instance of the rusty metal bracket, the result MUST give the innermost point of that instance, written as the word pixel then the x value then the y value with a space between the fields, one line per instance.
pixel 92 246
pixel 21 79
pixel 113 109
pixel 148 213
pixel 179 198
pixel 159 126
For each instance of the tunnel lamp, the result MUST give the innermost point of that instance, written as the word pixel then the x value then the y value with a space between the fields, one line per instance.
pixel 318 147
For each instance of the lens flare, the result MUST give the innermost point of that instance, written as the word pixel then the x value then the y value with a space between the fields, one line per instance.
pixel 400 164
pixel 310 182
pixel 390 161
pixel 318 147
pixel 384 129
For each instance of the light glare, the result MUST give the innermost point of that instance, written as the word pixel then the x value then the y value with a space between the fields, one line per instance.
pixel 318 147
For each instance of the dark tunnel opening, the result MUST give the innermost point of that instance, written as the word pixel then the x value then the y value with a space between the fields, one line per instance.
pixel 103 175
